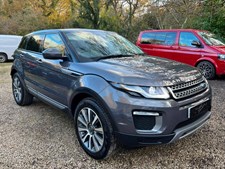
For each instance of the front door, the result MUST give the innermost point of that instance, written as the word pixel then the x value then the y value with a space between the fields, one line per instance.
pixel 188 53
pixel 56 84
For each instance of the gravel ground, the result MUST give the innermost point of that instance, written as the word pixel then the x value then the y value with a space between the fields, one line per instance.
pixel 39 136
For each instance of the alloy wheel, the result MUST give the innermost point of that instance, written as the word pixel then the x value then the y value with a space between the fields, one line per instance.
pixel 17 89
pixel 206 69
pixel 90 129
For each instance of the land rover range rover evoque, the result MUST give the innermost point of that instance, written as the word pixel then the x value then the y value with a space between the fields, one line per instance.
pixel 113 91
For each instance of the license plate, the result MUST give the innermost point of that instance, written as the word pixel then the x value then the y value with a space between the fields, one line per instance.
pixel 199 109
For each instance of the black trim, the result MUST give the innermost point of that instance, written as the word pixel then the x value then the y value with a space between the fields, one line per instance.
pixel 138 141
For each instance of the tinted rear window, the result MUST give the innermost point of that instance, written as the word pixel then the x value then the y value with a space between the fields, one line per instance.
pixel 159 38
pixel 23 43
pixel 35 43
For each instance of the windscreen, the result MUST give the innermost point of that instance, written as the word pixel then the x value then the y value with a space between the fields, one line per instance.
pixel 94 45
pixel 211 39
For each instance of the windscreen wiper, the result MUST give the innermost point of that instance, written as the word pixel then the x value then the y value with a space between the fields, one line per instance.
pixel 114 56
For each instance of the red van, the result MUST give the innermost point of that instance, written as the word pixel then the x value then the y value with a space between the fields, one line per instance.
pixel 198 48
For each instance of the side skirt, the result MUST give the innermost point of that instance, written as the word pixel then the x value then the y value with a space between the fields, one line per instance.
pixel 47 99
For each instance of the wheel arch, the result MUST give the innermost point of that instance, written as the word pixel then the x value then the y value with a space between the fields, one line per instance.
pixel 85 93
pixel 4 54
pixel 13 71
pixel 208 60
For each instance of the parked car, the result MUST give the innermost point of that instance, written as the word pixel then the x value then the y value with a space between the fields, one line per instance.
pixel 114 92
pixel 8 44
pixel 198 48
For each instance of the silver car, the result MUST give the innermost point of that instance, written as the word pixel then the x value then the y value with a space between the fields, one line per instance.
pixel 114 92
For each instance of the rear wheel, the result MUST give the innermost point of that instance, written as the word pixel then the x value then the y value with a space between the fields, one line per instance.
pixel 94 130
pixel 3 58
pixel 21 95
pixel 207 69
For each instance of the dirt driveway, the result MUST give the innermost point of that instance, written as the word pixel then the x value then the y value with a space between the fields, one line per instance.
pixel 39 136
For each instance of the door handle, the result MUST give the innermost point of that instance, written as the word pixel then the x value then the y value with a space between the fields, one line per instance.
pixel 39 61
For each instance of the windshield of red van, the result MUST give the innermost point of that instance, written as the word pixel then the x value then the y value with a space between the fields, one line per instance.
pixel 211 39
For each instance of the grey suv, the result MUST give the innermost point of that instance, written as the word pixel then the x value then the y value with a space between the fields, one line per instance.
pixel 113 91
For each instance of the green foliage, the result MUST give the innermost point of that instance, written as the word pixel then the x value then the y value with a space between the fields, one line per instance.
pixel 212 17
pixel 20 21
pixel 127 17
pixel 90 11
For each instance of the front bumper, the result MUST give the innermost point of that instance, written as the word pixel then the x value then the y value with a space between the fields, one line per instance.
pixel 173 122
pixel 143 140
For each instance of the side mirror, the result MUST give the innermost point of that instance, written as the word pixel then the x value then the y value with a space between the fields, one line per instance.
pixel 196 43
pixel 53 53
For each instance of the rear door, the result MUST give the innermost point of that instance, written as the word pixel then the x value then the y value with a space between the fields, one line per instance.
pixel 165 44
pixel 160 43
pixel 30 54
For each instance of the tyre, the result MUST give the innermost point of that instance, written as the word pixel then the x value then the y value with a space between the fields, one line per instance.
pixel 21 95
pixel 207 69
pixel 3 58
pixel 93 129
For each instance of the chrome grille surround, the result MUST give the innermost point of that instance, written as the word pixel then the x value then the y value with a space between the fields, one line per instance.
pixel 188 89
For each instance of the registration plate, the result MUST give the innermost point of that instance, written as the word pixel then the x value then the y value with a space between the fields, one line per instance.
pixel 199 109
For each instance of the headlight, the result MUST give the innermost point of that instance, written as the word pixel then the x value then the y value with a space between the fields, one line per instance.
pixel 221 57
pixel 147 92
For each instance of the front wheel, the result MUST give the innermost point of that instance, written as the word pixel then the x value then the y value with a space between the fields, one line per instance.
pixel 207 69
pixel 21 95
pixel 94 130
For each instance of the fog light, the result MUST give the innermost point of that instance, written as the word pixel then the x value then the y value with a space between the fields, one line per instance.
pixel 147 121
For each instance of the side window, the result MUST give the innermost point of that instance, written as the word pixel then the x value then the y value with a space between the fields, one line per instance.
pixel 35 43
pixel 170 38
pixel 147 38
pixel 186 38
pixel 23 43
pixel 54 41
pixel 159 38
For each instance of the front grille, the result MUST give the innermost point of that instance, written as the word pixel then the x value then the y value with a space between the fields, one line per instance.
pixel 188 89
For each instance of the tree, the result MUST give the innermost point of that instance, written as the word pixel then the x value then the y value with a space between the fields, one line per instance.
pixel 212 17
pixel 173 13
pixel 127 17
pixel 19 18
pixel 90 11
